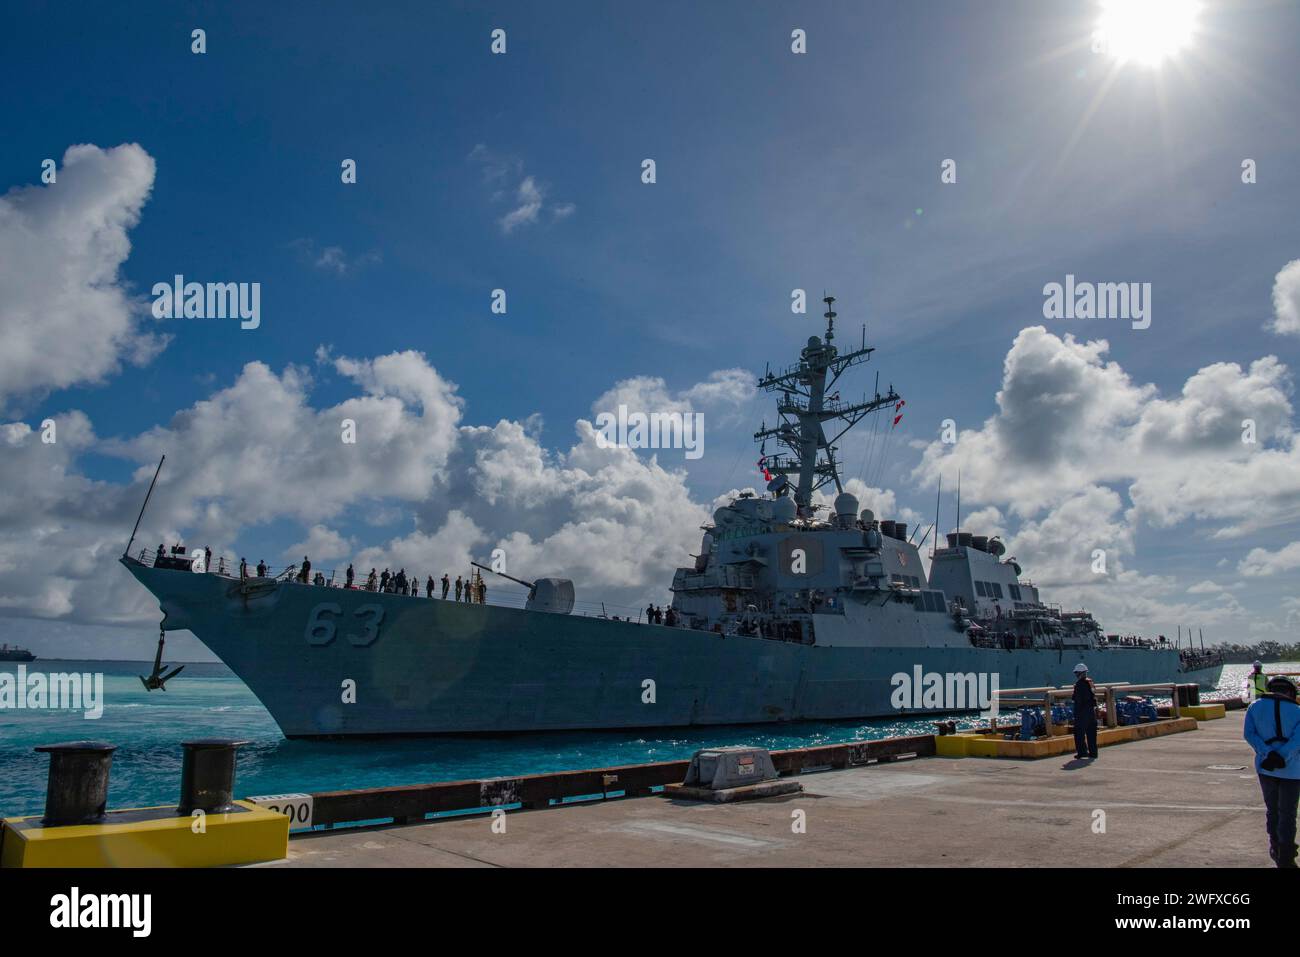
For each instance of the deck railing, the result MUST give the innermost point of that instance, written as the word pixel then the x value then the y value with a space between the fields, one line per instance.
pixel 503 595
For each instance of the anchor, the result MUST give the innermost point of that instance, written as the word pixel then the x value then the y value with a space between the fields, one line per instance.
pixel 157 681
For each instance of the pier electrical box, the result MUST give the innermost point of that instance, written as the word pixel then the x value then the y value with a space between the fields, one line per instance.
pixel 722 768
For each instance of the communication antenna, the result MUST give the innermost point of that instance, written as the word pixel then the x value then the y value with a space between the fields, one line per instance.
pixel 935 547
pixel 805 415
pixel 959 506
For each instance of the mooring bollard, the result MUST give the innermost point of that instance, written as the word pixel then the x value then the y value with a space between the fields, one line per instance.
pixel 77 792
pixel 208 775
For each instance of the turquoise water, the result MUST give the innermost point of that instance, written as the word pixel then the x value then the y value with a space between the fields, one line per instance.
pixel 207 700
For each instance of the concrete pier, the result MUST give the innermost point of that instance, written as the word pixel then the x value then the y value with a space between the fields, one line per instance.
pixel 1185 800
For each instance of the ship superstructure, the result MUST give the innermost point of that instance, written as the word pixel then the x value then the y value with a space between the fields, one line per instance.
pixel 792 610
pixel 770 566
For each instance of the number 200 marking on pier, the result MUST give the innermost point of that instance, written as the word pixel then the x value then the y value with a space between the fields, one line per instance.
pixel 321 630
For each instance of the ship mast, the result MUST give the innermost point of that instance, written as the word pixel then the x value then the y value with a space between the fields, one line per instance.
pixel 804 410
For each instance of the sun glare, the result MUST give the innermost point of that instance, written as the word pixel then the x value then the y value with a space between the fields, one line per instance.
pixel 1146 31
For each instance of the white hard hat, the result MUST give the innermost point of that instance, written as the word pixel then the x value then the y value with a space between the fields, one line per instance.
pixel 1080 668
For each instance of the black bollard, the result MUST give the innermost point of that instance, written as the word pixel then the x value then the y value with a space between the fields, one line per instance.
pixel 77 792
pixel 208 775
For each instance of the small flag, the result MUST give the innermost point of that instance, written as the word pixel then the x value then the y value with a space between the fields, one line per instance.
pixel 762 465
pixel 899 409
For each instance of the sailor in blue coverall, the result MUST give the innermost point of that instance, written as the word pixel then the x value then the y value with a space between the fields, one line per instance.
pixel 1272 728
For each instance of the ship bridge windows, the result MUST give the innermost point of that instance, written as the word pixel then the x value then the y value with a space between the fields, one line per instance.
pixel 911 580
pixel 930 601
pixel 1015 591
pixel 989 590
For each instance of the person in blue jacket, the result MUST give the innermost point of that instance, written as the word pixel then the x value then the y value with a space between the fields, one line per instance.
pixel 1272 728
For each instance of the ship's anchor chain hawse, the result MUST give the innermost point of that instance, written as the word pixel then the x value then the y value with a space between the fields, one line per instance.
pixel 253 588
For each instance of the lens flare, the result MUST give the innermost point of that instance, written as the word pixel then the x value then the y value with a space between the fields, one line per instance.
pixel 1146 31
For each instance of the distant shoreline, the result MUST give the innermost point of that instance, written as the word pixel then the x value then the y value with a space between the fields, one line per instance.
pixel 119 661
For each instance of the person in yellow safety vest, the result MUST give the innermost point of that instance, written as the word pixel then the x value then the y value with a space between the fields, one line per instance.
pixel 1258 680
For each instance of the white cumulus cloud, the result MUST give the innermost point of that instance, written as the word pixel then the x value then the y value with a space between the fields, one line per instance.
pixel 66 317
pixel 1260 561
pixel 1286 299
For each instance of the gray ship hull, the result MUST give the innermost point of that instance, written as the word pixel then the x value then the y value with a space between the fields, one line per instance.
pixel 336 662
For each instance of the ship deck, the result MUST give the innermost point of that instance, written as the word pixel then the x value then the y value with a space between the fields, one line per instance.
pixel 1185 800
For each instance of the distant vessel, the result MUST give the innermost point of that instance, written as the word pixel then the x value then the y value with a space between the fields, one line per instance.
pixel 785 615
pixel 14 653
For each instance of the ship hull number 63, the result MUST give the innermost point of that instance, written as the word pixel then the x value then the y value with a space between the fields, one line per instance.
pixel 322 624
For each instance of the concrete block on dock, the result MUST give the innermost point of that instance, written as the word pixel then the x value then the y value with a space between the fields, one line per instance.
pixel 747 792
pixel 1204 712
pixel 149 837
pixel 983 745
pixel 732 774
pixel 951 745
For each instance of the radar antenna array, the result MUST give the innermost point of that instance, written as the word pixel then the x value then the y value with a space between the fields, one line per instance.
pixel 804 410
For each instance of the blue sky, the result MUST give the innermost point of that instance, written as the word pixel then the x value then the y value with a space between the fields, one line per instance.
pixel 774 171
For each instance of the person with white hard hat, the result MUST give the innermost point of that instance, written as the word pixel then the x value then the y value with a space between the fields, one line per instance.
pixel 1085 714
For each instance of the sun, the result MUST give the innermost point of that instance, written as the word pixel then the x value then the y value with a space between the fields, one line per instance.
pixel 1146 31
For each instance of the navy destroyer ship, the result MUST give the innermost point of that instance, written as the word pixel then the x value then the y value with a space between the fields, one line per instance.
pixel 792 610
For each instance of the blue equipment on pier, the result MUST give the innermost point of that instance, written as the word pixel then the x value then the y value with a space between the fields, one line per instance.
pixel 1135 710
pixel 1031 720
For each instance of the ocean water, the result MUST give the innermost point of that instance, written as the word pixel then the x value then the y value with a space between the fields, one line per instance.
pixel 207 700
